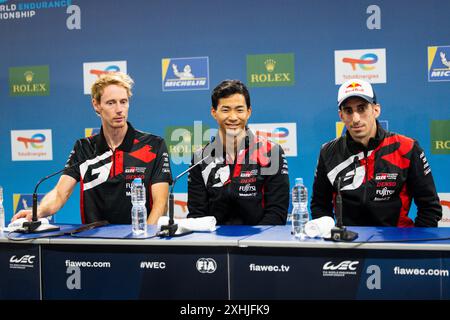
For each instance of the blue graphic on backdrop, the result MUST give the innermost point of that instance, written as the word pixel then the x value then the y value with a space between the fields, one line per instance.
pixel 147 37
pixel 185 74
pixel 439 63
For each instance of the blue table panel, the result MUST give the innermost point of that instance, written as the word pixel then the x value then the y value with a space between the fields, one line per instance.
pixel 133 272
pixel 308 273
pixel 237 262
pixel 19 271
pixel 281 235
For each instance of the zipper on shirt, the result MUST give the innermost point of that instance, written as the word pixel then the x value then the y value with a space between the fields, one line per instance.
pixel 114 163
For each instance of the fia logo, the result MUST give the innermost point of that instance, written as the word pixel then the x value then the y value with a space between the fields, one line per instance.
pixel 206 265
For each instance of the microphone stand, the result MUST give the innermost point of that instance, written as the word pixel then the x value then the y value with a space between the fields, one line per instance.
pixel 34 224
pixel 171 228
pixel 339 232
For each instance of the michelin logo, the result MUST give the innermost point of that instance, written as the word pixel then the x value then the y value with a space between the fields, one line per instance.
pixel 439 63
pixel 185 74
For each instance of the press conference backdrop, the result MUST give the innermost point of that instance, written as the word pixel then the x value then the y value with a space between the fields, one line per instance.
pixel 292 55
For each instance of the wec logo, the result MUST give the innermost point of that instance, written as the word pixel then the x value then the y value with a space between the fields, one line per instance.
pixel 343 266
pixel 26 259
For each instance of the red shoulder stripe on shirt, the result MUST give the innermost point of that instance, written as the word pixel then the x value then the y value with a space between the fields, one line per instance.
pixel 144 154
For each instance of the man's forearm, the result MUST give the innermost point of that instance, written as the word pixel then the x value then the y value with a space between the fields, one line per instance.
pixel 157 211
pixel 50 204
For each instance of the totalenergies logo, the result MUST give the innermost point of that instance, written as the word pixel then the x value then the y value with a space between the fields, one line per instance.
pixel 364 62
pixel 445 203
pixel 277 134
pixel 182 204
pixel 36 141
pixel 109 69
pixel 93 70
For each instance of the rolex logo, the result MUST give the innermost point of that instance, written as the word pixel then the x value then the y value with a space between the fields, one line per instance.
pixel 267 70
pixel 270 64
pixel 29 80
pixel 29 76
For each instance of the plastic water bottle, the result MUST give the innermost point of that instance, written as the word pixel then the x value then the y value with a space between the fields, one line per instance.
pixel 2 211
pixel 138 211
pixel 300 215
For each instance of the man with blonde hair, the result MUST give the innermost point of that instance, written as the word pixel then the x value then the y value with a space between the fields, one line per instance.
pixel 105 164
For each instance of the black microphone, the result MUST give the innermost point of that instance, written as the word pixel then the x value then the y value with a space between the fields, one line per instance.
pixel 339 232
pixel 171 228
pixel 31 226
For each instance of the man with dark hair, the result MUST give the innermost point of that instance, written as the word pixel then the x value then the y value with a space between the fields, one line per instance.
pixel 105 164
pixel 379 172
pixel 244 179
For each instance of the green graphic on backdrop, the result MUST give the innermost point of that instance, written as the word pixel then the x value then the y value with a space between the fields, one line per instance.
pixel 440 136
pixel 183 140
pixel 269 70
pixel 29 81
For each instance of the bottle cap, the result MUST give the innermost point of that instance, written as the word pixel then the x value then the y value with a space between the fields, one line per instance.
pixel 137 181
pixel 298 181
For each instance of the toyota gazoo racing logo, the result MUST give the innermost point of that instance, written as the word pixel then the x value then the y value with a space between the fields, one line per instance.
pixel 341 269
pixel 386 176
pixel 25 261
pixel 135 170
pixel 206 265
pixel 248 174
